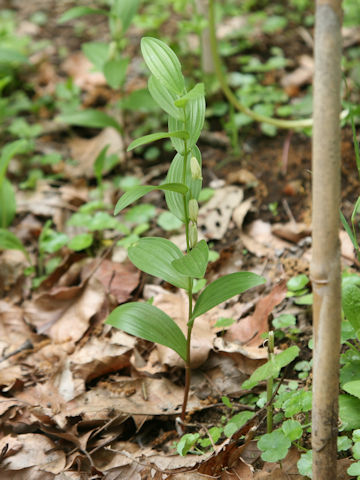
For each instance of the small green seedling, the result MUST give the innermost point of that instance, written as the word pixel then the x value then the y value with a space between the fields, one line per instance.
pixel 107 57
pixel 161 257
pixel 297 287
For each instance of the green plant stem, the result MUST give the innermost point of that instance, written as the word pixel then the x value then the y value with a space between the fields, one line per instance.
pixel 277 122
pixel 269 387
pixel 300 447
pixel 352 347
pixel 189 324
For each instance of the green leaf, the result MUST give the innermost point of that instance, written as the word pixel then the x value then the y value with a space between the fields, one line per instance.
pixel 76 12
pixel 356 450
pixel 195 116
pixel 186 443
pixel 81 241
pixel 224 288
pixel 283 321
pixel 115 71
pixel 174 201
pixel 8 152
pixel 52 241
pixel 125 11
pixel 353 388
pixel 351 300
pixel 100 162
pixel 195 262
pixel 89 118
pixel 236 422
pixel 305 299
pixel 154 256
pixel 197 92
pixel 305 464
pixel 292 429
pixel 274 445
pixel 299 401
pixel 7 203
pixel 175 125
pixel 168 222
pixel 140 213
pixel 272 368
pixel 140 190
pixel 297 283
pixel 354 469
pixel 97 53
pixel 224 322
pixel 164 98
pixel 163 64
pixel 343 443
pixel 349 412
pixel 156 136
pixel 150 323
pixel 9 241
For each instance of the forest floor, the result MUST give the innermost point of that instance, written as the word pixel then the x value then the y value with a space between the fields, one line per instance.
pixel 81 400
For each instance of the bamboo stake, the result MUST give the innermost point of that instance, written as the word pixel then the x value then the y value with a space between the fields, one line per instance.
pixel 325 264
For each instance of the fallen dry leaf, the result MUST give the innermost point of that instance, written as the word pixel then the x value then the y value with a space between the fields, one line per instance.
pixel 291 231
pixel 36 450
pixel 249 330
pixel 130 396
pixel 215 215
pixel 85 152
pixel 82 71
pixel 259 240
pixel 302 75
pixel 14 332
pixel 118 279
pixel 12 266
pixel 64 313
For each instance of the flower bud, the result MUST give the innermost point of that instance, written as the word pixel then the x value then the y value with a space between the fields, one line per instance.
pixel 193 235
pixel 193 210
pixel 195 169
pixel 112 51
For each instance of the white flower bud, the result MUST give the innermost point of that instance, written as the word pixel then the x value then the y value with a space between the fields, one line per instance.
pixel 195 169
pixel 193 210
pixel 193 235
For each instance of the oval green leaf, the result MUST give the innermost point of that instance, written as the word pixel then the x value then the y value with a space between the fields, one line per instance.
pixel 115 71
pixel 175 125
pixel 195 262
pixel 164 98
pixel 195 116
pixel 224 288
pixel 140 190
pixel 349 412
pixel 125 11
pixel 7 203
pixel 150 323
pixel 353 388
pixel 156 136
pixel 271 368
pixel 81 241
pixel 154 256
pixel 351 301
pixel 163 64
